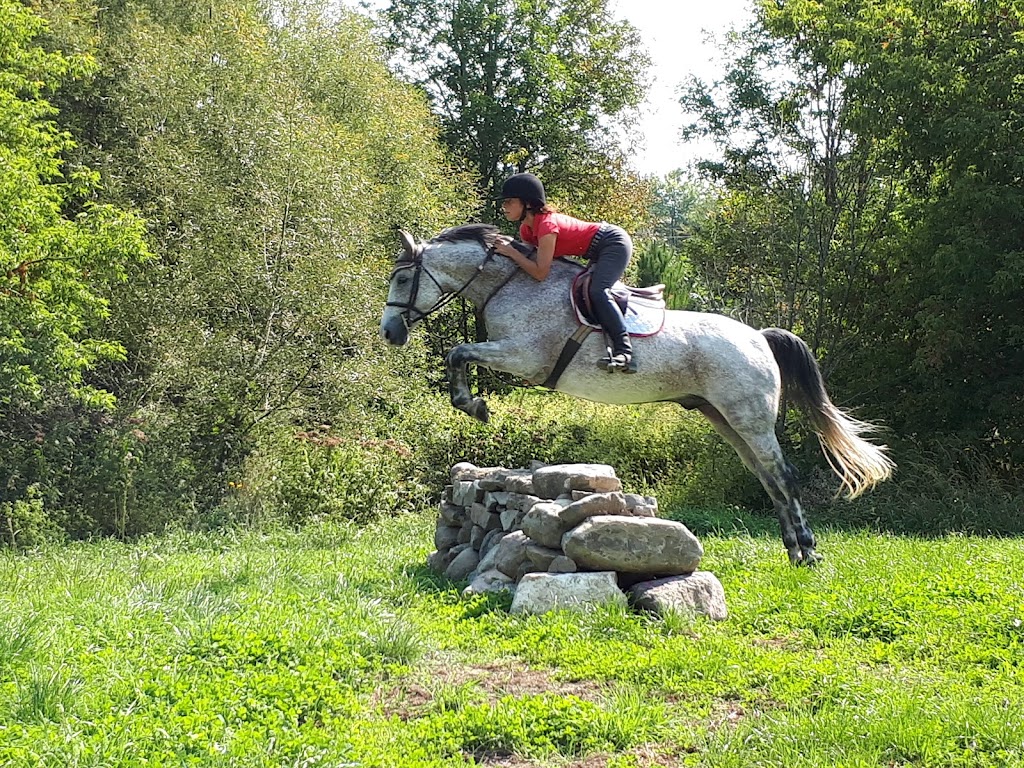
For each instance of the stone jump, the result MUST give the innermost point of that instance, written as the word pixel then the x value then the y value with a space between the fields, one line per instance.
pixel 564 536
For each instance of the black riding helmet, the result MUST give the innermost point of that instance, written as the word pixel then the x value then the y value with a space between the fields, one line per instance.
pixel 525 186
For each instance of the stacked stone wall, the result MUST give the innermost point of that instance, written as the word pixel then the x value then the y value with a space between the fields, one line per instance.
pixel 567 534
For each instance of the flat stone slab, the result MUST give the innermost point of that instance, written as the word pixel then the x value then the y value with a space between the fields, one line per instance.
pixel 645 545
pixel 542 592
pixel 699 593
pixel 552 481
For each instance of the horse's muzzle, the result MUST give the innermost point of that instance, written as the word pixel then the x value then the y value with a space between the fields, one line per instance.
pixel 394 330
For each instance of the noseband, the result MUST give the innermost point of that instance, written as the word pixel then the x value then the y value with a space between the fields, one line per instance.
pixel 415 262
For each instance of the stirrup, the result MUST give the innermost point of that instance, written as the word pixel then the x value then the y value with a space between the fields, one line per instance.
pixel 623 361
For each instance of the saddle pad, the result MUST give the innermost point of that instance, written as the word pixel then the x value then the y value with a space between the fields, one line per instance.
pixel 644 317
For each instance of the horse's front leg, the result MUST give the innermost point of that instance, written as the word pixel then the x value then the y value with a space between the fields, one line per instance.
pixel 496 355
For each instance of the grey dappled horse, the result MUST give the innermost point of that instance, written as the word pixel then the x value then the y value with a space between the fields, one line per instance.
pixel 728 371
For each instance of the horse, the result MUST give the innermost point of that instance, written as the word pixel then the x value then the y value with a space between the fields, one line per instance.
pixel 731 373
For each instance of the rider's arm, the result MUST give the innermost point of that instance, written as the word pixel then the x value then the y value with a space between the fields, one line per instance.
pixel 540 268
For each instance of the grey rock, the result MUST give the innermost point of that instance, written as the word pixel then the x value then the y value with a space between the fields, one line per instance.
pixel 542 592
pixel 463 564
pixel 699 593
pixel 552 481
pixel 510 552
pixel 542 556
pixel 438 561
pixel 488 581
pixel 519 481
pixel 464 493
pixel 461 470
pixel 464 471
pixel 466 532
pixel 522 501
pixel 496 500
pixel 487 557
pixel 476 537
pixel 452 514
pixel 544 525
pixel 489 521
pixel 526 567
pixel 562 564
pixel 590 505
pixel 490 541
pixel 512 519
pixel 446 536
pixel 494 481
pixel 633 545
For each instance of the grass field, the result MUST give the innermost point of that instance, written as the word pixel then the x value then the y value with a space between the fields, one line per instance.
pixel 334 646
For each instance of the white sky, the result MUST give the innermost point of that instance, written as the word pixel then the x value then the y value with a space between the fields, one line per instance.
pixel 675 32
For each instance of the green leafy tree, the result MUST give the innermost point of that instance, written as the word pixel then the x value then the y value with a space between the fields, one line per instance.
pixel 275 156
pixel 60 250
pixel 873 169
pixel 523 83
pixel 940 88
pixel 795 240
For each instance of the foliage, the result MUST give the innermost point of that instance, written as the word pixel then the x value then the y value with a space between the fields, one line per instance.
pixel 871 204
pixel 949 302
pixel 334 645
pixel 796 236
pixel 60 249
pixel 517 82
pixel 274 156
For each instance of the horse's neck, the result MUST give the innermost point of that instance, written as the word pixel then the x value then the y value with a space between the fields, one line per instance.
pixel 478 285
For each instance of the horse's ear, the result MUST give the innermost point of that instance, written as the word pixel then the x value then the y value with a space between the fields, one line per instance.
pixel 408 243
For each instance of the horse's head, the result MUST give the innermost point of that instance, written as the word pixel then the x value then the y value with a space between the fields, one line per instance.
pixel 428 275
pixel 402 311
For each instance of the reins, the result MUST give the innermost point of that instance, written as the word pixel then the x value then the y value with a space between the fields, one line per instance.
pixel 416 262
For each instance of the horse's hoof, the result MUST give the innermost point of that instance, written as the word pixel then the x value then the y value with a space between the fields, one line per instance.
pixel 807 559
pixel 478 410
pixel 812 558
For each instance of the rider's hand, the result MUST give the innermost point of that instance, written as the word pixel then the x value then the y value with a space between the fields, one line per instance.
pixel 503 246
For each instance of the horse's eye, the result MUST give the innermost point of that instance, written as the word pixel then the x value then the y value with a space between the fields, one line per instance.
pixel 403 279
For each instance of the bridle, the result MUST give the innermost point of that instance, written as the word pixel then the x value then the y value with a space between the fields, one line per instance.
pixel 414 261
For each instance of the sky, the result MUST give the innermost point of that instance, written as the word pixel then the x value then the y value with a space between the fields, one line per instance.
pixel 675 34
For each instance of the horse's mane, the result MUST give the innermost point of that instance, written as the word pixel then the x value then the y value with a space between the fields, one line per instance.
pixel 480 233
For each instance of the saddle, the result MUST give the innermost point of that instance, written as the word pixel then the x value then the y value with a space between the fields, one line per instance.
pixel 643 309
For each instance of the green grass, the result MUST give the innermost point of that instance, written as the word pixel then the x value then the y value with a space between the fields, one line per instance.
pixel 334 646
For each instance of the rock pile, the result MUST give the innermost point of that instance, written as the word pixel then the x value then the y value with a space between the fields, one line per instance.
pixel 565 535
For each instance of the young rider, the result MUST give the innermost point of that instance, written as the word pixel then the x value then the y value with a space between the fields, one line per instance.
pixel 554 234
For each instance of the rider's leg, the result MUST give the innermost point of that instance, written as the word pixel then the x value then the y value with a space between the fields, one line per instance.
pixel 609 264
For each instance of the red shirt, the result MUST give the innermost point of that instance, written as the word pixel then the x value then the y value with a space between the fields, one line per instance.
pixel 573 236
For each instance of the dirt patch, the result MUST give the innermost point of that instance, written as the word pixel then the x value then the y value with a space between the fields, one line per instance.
pixel 646 756
pixel 493 681
pixel 509 677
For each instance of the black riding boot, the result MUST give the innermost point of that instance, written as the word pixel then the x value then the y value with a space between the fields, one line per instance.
pixel 610 317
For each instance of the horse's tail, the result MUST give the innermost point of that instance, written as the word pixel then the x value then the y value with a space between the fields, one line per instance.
pixel 860 464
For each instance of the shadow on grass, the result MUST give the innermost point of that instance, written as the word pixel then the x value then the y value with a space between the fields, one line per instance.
pixel 429 581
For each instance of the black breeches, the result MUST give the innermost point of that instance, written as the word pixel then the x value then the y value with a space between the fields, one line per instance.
pixel 609 258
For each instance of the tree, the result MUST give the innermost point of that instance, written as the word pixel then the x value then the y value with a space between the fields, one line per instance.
pixel 873 169
pixel 60 250
pixel 522 83
pixel 941 88
pixel 795 239
pixel 274 156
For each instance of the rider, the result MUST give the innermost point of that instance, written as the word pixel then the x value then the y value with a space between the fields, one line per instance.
pixel 554 234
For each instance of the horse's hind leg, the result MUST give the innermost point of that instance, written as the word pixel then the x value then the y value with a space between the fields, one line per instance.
pixel 762 455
